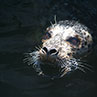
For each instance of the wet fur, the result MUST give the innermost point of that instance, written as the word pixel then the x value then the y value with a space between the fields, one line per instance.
pixel 66 63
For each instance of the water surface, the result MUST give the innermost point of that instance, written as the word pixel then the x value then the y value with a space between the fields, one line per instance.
pixel 22 23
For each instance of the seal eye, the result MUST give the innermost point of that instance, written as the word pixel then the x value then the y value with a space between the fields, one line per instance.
pixel 74 40
pixel 47 36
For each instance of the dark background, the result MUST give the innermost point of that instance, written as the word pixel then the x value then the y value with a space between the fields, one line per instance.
pixel 22 24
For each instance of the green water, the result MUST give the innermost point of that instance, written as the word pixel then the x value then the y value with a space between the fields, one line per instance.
pixel 22 23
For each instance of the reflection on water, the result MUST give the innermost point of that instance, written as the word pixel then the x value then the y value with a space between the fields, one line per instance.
pixel 21 24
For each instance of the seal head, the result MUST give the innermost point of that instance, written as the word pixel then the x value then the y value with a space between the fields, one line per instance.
pixel 63 45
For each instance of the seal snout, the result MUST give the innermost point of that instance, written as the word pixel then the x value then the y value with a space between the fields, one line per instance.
pixel 50 51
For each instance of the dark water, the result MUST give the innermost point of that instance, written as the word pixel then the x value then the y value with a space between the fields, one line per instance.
pixel 22 23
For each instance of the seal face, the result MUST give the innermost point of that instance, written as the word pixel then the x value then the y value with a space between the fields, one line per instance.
pixel 63 44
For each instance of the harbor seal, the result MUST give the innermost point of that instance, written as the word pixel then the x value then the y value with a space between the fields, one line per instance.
pixel 63 45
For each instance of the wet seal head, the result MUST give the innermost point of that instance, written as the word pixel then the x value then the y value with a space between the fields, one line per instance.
pixel 63 44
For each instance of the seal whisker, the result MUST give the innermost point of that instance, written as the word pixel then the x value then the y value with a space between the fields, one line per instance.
pixel 51 23
pixel 25 60
pixel 80 65
pixel 81 69
pixel 55 19
pixel 37 48
pixel 65 71
pixel 85 64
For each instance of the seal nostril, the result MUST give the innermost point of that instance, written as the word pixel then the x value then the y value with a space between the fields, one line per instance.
pixel 50 52
pixel 45 49
pixel 53 51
